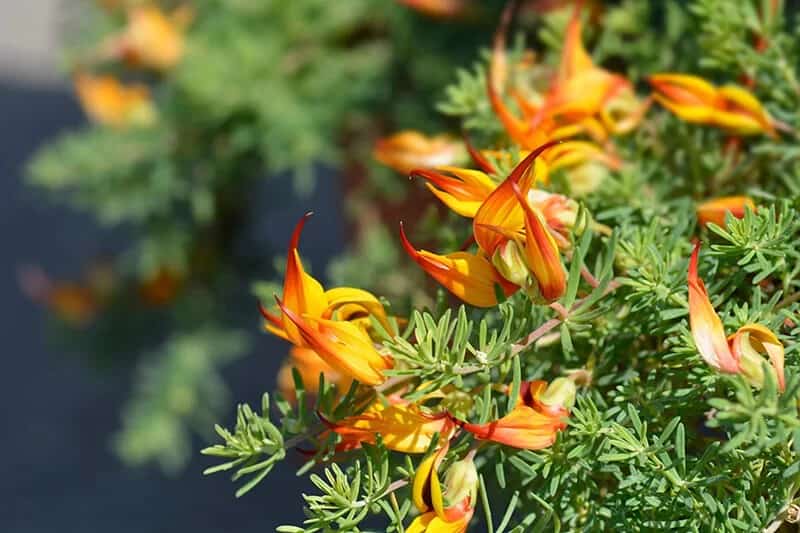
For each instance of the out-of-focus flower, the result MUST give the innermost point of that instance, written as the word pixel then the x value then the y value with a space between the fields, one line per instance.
pixel 333 323
pixel 444 9
pixel 109 102
pixel 76 303
pixel 161 288
pixel 581 98
pixel 714 210
pixel 729 107
pixel 742 352
pixel 408 150
pixel 152 38
pixel 535 421
pixel 515 246
pixel 403 426
pixel 447 507
pixel 310 366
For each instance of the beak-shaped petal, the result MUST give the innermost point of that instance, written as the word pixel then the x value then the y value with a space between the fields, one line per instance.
pixel 531 425
pixel 407 150
pixel 403 427
pixel 302 294
pixel 343 345
pixel 464 193
pixel 715 210
pixel 501 215
pixel 152 38
pixel 541 252
pixel 695 100
pixel 749 344
pixel 707 329
pixel 469 277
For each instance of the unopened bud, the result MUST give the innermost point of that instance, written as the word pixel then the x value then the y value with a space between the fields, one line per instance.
pixel 461 481
pixel 510 263
pixel 559 394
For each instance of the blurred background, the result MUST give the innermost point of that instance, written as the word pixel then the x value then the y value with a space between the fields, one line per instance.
pixel 60 471
pixel 156 155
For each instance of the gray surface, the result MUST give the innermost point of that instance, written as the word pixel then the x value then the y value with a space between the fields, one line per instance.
pixel 58 473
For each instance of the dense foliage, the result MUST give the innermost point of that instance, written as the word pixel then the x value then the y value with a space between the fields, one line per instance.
pixel 593 381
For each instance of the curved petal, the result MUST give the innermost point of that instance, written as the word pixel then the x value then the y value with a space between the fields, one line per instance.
pixel 343 345
pixel 302 294
pixel 524 427
pixel 764 341
pixel 349 302
pixel 501 209
pixel 707 329
pixel 464 194
pixel 470 277
pixel 402 427
pixel 541 251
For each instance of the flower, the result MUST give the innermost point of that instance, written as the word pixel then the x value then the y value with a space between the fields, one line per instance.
pixel 448 508
pixel 439 8
pixel 403 426
pixel 407 150
pixel 741 353
pixel 580 98
pixel 536 419
pixel 715 210
pixel 515 246
pixel 463 191
pixel 333 323
pixel 729 107
pixel 152 38
pixel 109 102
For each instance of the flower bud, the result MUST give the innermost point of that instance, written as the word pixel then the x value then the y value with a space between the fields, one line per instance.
pixel 560 394
pixel 509 261
pixel 461 481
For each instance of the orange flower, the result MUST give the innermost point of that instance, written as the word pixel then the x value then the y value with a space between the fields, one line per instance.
pixel 439 8
pixel 310 366
pixel 729 107
pixel 582 98
pixel 152 38
pixel 333 323
pixel 448 508
pixel 403 427
pixel 715 210
pixel 162 288
pixel 516 248
pixel 107 101
pixel 463 192
pixel 536 420
pixel 741 353
pixel 407 150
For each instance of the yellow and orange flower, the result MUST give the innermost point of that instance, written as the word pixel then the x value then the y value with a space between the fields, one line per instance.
pixel 741 353
pixel 309 365
pixel 714 211
pixel 729 107
pixel 581 99
pixel 515 246
pixel 403 426
pixel 334 323
pixel 109 102
pixel 537 418
pixel 152 38
pixel 408 150
pixel 446 507
pixel 444 9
